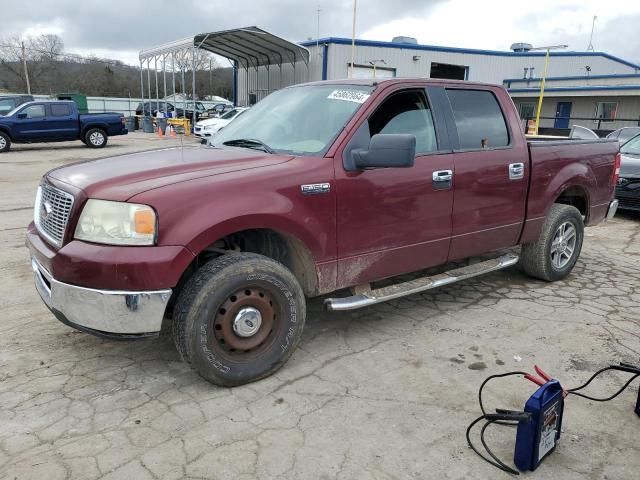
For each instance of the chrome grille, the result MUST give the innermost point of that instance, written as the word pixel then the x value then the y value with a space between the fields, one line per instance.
pixel 52 213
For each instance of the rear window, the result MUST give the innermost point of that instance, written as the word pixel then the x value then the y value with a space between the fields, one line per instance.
pixel 478 118
pixel 60 110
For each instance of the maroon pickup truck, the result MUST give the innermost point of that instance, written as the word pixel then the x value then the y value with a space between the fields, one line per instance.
pixel 319 187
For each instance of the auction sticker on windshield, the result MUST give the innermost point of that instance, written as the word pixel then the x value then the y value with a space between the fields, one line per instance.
pixel 357 96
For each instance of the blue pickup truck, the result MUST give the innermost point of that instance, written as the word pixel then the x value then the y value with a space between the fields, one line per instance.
pixel 58 121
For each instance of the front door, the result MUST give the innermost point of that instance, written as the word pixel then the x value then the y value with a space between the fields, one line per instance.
pixel 30 123
pixel 395 220
pixel 491 165
pixel 563 113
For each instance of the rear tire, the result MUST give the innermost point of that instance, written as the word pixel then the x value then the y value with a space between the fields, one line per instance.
pixel 5 142
pixel 95 138
pixel 555 253
pixel 239 318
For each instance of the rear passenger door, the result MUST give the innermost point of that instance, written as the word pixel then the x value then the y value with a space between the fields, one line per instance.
pixel 491 172
pixel 61 122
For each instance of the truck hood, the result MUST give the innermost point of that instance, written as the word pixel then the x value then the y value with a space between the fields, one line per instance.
pixel 119 178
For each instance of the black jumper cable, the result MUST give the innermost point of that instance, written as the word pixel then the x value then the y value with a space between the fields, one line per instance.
pixel 538 428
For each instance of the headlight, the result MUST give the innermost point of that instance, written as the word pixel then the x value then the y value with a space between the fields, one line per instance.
pixel 117 223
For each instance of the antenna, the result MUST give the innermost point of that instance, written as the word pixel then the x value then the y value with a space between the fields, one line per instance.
pixel 593 26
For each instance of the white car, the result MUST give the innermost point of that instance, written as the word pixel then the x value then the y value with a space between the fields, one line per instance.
pixel 206 128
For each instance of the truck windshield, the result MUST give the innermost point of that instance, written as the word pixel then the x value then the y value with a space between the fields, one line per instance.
pixel 632 147
pixel 300 120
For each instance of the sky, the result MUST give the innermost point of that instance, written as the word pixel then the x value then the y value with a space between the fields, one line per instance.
pixel 120 28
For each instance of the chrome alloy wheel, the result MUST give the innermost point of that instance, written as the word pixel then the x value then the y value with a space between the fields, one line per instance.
pixel 563 245
pixel 96 138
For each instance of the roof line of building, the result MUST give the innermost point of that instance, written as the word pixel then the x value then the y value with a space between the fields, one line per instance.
pixel 575 89
pixel 435 48
pixel 577 77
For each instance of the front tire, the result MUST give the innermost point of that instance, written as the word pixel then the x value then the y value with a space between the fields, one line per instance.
pixel 5 142
pixel 95 138
pixel 555 253
pixel 239 318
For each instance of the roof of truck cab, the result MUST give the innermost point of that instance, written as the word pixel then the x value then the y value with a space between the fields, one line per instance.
pixel 399 81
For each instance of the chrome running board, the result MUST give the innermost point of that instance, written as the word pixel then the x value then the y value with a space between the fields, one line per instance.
pixel 371 297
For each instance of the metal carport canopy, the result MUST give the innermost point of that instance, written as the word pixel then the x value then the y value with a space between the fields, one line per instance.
pixel 249 47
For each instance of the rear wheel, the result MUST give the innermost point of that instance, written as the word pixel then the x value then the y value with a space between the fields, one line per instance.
pixel 95 138
pixel 5 142
pixel 239 318
pixel 555 253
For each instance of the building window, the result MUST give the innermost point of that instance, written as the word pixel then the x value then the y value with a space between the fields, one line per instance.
pixel 479 119
pixel 527 110
pixel 606 112
pixel 447 71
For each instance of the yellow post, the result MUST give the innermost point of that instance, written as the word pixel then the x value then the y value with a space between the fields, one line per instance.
pixel 544 77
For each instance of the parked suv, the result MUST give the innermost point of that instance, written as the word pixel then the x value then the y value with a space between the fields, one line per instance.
pixel 9 102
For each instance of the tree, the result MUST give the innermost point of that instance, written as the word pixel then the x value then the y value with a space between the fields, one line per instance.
pixel 39 53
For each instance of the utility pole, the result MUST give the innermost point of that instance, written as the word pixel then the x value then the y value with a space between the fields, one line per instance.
pixel 26 71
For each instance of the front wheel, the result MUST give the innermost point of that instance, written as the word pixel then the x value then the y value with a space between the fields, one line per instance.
pixel 555 253
pixel 95 138
pixel 239 318
pixel 5 142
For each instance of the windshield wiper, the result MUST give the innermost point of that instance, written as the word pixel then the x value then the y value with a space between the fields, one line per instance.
pixel 249 143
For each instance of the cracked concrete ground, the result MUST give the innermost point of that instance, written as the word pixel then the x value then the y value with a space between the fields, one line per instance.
pixel 381 393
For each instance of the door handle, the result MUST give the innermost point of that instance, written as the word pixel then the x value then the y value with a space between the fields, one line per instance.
pixel 516 171
pixel 441 176
pixel 442 179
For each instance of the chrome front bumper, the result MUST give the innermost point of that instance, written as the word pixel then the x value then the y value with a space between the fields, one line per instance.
pixel 102 312
pixel 613 208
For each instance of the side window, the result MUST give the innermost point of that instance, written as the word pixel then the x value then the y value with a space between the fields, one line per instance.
pixel 34 111
pixel 60 110
pixel 479 119
pixel 406 112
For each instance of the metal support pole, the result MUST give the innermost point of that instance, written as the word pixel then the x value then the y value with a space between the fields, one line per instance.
pixel 193 83
pixel 544 77
pixel 268 79
pixel 173 78
pixel 164 78
pixel 149 83
pixel 141 88
pixel 155 71
pixel 184 94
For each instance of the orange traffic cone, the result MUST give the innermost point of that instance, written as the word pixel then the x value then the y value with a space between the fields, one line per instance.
pixel 173 131
pixel 159 130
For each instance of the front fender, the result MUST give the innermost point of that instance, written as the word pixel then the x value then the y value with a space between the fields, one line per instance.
pixel 197 213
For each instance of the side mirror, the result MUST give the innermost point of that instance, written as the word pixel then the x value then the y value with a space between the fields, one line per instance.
pixel 21 115
pixel 387 150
